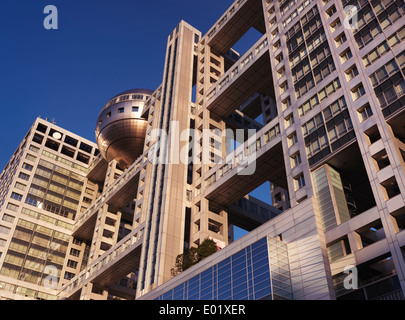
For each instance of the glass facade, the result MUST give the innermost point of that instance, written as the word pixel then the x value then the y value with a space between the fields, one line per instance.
pixel 259 271
pixel 325 181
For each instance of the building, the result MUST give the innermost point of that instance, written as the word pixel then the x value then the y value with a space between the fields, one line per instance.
pixel 330 95
pixel 43 188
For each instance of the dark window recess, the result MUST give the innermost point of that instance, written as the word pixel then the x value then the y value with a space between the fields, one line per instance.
pixel 372 135
pixel 337 119
pixel 319 156
pixel 85 147
pixel 68 151
pixel 42 128
pixel 343 140
pixel 55 134
pixel 96 152
pixel 71 141
pixel 393 107
pixel 52 144
pixel 38 138
pixel 83 158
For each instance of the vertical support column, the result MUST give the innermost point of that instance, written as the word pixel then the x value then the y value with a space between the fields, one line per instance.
pixel 107 224
pixel 166 207
pixel 208 224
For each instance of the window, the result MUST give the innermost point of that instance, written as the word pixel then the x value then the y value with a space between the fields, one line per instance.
pixel 135 109
pixel 4 230
pixel 335 25
pixel 345 55
pixel 271 134
pixel 12 207
pixel 33 148
pixel 295 160
pixel 340 129
pixel 376 53
pixel 396 37
pixel 69 275
pixel 289 121
pixel 316 145
pixel 367 34
pixel 121 110
pixel 20 186
pixel 334 108
pixel 292 139
pixel 299 181
pixel 351 73
pixel 286 103
pixel 401 59
pixel 279 58
pixel 357 92
pixel 312 124
pixel 41 128
pixel 391 15
pixel 72 264
pixel 27 166
pixel 391 94
pixel 71 141
pixel 384 73
pixel 329 89
pixel 16 196
pixel 85 147
pixel 37 138
pixel 340 40
pixel 308 105
pixel 304 86
pixel 325 69
pixel 381 5
pixel 8 218
pixel 320 54
pixel 331 11
pixel 24 176
pixel 68 151
pixel 365 112
pixel 283 87
pixel 74 252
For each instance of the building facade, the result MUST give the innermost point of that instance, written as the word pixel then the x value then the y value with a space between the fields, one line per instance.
pixel 43 187
pixel 316 107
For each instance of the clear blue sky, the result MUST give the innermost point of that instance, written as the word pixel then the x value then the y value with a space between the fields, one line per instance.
pixel 101 48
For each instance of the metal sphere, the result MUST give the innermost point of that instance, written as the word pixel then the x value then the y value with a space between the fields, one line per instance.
pixel 120 130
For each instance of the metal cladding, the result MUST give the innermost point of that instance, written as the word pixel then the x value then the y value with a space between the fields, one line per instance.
pixel 120 130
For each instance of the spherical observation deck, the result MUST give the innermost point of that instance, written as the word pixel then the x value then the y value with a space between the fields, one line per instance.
pixel 120 130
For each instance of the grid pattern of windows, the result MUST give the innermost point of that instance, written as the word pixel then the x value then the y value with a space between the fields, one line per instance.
pixel 32 248
pixel 243 276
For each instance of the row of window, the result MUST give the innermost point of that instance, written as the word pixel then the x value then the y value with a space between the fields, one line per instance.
pixel 119 111
pixel 58 136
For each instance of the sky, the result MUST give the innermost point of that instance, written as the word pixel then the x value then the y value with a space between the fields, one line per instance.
pixel 100 49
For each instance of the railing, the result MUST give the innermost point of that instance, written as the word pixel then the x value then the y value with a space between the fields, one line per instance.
pixel 109 256
pixel 395 295
pixel 95 161
pixel 127 174
pixel 245 61
pixel 240 156
pixel 225 17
